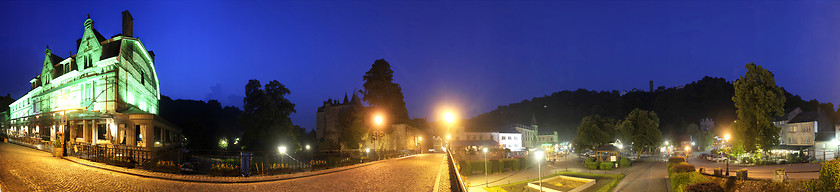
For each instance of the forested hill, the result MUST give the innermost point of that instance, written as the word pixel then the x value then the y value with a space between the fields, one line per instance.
pixel 677 107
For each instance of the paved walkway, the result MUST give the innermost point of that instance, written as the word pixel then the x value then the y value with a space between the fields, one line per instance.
pixel 648 175
pixel 25 169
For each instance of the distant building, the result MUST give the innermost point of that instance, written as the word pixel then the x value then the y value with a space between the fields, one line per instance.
pixel 707 124
pixel 327 125
pixel 105 94
pixel 516 137
pixel 809 132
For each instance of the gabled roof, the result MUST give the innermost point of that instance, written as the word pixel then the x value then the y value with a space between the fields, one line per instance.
pixel 55 59
pixel 805 117
pixel 110 49
pixel 98 35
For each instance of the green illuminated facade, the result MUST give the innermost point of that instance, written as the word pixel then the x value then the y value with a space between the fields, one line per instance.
pixel 107 93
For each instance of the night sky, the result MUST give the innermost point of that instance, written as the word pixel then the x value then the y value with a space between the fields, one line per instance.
pixel 472 56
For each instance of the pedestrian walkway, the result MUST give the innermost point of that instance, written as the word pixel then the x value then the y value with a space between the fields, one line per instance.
pixel 216 179
pixel 649 175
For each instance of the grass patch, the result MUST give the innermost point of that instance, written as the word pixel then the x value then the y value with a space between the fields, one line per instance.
pixel 604 182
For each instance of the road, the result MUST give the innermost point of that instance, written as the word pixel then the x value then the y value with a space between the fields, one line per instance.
pixel 25 169
pixel 647 175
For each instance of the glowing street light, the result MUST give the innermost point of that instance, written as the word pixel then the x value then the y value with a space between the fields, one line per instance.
pixel 539 154
pixel 485 166
pixel 449 117
pixel 282 150
pixel 378 120
pixel 726 137
pixel 307 147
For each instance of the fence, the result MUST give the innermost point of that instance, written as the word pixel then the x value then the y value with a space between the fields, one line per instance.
pixel 125 156
pixel 245 163
pixel 35 143
pixel 455 181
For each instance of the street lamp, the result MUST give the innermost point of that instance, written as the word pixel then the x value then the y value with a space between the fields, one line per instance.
pixel 449 117
pixel 726 137
pixel 282 150
pixel 378 120
pixel 485 167
pixel 419 147
pixel 539 155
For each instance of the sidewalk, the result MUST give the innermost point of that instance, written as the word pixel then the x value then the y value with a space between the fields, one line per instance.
pixel 217 179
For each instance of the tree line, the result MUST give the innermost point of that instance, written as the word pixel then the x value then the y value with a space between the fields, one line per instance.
pixel 679 109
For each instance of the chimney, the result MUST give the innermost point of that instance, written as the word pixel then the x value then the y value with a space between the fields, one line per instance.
pixel 128 24
pixel 152 54
pixel 651 86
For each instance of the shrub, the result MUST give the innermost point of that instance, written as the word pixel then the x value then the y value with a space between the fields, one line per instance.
pixel 624 162
pixel 606 166
pixel 704 187
pixel 682 168
pixel 680 180
pixel 466 168
pixel 588 159
pixel 675 160
pixel 830 175
pixel 591 165
pixel 747 160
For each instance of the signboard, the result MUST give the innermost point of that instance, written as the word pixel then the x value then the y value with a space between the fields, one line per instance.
pixel 613 158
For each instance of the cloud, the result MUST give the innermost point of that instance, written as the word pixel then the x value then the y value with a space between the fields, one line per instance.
pixel 225 99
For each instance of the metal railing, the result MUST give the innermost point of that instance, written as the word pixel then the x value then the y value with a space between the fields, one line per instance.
pixel 115 154
pixel 456 183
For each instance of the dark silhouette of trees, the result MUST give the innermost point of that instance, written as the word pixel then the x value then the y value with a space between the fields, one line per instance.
pixel 203 124
pixel 593 132
pixel 266 117
pixel 381 92
pixel 676 107
pixel 641 128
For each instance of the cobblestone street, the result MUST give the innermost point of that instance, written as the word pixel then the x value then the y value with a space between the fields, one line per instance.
pixel 25 169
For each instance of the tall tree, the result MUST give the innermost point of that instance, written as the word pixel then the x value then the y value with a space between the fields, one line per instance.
pixel 266 117
pixel 593 132
pixel 641 128
pixel 381 91
pixel 758 100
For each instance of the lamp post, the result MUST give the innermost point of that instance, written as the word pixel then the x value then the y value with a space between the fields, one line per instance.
pixel 449 117
pixel 726 137
pixel 485 167
pixel 282 150
pixel 419 147
pixel 539 155
pixel 378 119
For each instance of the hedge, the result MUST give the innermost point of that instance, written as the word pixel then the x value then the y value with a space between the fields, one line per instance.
pixel 682 168
pixel 591 165
pixel 704 187
pixel 675 160
pixel 624 162
pixel 830 175
pixel 466 168
pixel 607 166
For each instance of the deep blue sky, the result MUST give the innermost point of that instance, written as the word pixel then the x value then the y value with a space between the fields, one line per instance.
pixel 474 55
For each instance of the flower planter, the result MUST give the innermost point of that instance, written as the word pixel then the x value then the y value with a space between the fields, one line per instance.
pixel 57 152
